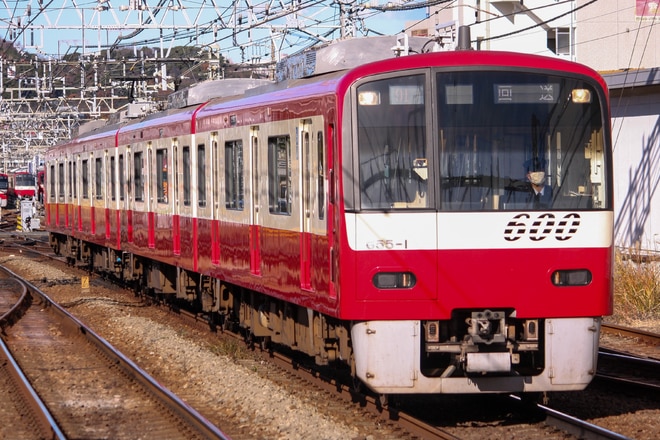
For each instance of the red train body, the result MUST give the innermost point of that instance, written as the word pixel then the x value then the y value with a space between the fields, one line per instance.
pixel 373 217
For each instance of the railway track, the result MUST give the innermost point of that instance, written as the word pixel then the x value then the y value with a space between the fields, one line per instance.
pixel 653 339
pixel 31 419
pixel 85 388
pixel 631 364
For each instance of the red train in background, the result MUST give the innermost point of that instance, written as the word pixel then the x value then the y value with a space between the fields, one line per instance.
pixel 41 182
pixel 436 222
pixel 16 186
pixel 22 185
pixel 4 189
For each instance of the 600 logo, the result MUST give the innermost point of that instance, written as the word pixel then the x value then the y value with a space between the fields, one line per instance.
pixel 543 226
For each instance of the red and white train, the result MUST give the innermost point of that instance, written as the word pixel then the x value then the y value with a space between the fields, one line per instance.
pixel 378 216
pixel 22 186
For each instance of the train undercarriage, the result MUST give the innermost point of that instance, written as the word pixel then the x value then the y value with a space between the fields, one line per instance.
pixel 475 351
pixel 264 319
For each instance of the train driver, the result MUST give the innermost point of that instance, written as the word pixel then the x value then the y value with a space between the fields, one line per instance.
pixel 535 193
pixel 540 194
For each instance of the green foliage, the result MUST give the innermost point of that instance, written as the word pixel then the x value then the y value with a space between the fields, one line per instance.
pixel 636 288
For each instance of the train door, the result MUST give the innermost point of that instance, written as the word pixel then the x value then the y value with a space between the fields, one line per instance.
pixel 313 221
pixel 255 249
pixel 79 182
pixel 151 218
pixel 107 174
pixel 306 239
pixel 176 219
pixel 129 193
pixel 113 204
pixel 122 205
pixel 69 211
pixel 216 157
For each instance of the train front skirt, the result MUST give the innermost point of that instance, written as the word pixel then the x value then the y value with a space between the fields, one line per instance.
pixel 388 360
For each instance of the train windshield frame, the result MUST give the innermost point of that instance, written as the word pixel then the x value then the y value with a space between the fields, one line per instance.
pixel 476 140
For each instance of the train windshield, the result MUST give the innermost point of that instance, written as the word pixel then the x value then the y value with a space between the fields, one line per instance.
pixel 500 141
pixel 25 180
pixel 4 182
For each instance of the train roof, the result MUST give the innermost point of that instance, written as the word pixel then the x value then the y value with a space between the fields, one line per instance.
pixel 202 92
pixel 168 123
pixel 471 59
pixel 348 54
pixel 332 57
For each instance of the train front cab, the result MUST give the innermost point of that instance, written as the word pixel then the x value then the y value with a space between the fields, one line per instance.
pixel 458 282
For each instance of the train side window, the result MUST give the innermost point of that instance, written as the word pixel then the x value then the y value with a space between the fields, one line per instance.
pixel 186 175
pixel 98 178
pixel 121 177
pixel 60 181
pixel 320 190
pixel 85 179
pixel 234 175
pixel 137 177
pixel 201 175
pixel 279 175
pixel 51 186
pixel 113 179
pixel 73 180
pixel 69 176
pixel 161 175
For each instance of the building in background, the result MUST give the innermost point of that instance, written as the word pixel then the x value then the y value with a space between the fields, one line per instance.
pixel 618 38
pixel 534 26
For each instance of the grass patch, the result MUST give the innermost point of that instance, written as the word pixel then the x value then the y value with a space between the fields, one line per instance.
pixel 228 347
pixel 636 287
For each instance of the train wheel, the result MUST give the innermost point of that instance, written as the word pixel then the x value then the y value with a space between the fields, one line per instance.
pixel 265 343
pixel 382 401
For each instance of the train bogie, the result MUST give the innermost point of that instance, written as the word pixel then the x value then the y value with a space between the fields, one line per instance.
pixel 437 223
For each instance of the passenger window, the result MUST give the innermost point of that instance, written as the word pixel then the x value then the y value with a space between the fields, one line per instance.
pixel 122 177
pixel 98 178
pixel 234 175
pixel 113 179
pixel 85 179
pixel 161 175
pixel 137 177
pixel 201 175
pixel 279 175
pixel 186 175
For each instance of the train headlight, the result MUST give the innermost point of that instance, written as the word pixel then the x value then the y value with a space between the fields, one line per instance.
pixel 369 98
pixel 580 96
pixel 394 280
pixel 578 277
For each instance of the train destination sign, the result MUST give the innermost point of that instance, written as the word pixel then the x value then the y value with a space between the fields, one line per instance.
pixel 526 93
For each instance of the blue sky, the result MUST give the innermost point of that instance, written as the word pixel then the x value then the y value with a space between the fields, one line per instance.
pixel 394 22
